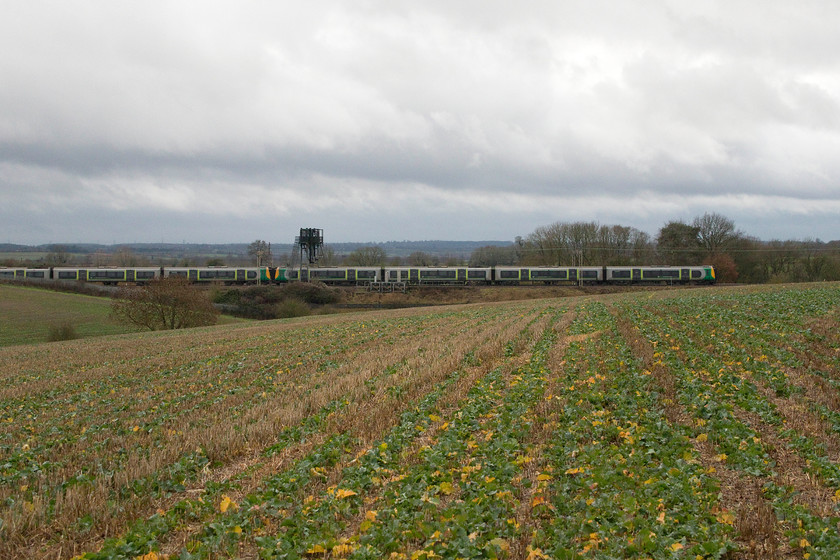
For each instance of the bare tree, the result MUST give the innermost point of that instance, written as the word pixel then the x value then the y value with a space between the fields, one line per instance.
pixel 493 255
pixel 124 256
pixel 677 242
pixel 261 251
pixel 715 232
pixel 421 258
pixel 328 256
pixel 163 304
pixel 366 256
pixel 58 256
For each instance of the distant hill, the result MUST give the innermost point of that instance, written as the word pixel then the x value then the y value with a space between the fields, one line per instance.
pixel 433 247
pixel 236 253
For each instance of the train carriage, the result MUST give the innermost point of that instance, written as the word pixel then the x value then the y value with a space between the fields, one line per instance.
pixel 345 275
pixel 69 273
pixel 207 274
pixel 438 275
pixel 660 274
pixel 109 275
pixel 547 274
pixel 37 274
pixel 12 273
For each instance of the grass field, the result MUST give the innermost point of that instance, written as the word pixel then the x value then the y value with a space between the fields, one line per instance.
pixel 688 424
pixel 28 315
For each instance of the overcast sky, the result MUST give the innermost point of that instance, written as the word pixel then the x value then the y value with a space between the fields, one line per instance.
pixel 393 120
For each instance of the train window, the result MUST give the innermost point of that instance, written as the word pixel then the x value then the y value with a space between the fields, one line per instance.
pixel 366 274
pixel 67 274
pixel 393 275
pixel 106 274
pixel 178 273
pixel 509 274
pixel 537 274
pixel 218 274
pixel 588 274
pixel 328 273
pixel 251 275
pixel 477 274
pixel 696 274
pixel 7 273
pixel 144 274
pixel 439 274
pixel 621 274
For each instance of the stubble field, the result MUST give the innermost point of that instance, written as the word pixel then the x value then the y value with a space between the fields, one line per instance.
pixel 692 424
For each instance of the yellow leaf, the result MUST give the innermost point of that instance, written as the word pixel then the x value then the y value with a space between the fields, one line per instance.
pixel 576 470
pixel 446 488
pixel 538 500
pixel 371 515
pixel 726 517
pixel 343 493
pixel 501 543
pixel 702 437
pixel 226 504
pixel 544 477
pixel 661 517
pixel 434 417
pixel 676 546
pixel 535 554
pixel 237 530
pixel 317 549
pixel 341 550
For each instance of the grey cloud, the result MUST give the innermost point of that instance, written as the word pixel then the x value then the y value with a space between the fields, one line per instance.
pixel 633 103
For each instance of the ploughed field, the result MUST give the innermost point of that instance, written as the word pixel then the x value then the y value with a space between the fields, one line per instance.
pixel 690 424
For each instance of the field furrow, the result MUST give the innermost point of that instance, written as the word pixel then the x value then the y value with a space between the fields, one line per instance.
pixel 727 393
pixel 670 424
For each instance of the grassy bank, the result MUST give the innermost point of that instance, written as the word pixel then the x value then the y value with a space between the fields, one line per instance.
pixel 32 315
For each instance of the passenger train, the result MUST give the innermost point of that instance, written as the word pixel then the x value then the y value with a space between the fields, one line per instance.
pixel 361 275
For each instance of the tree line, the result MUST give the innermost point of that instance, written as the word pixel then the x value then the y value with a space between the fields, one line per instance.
pixel 708 239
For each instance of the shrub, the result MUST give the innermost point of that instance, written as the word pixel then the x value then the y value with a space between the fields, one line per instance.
pixel 64 331
pixel 314 292
pixel 165 303
pixel 226 297
pixel 291 308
